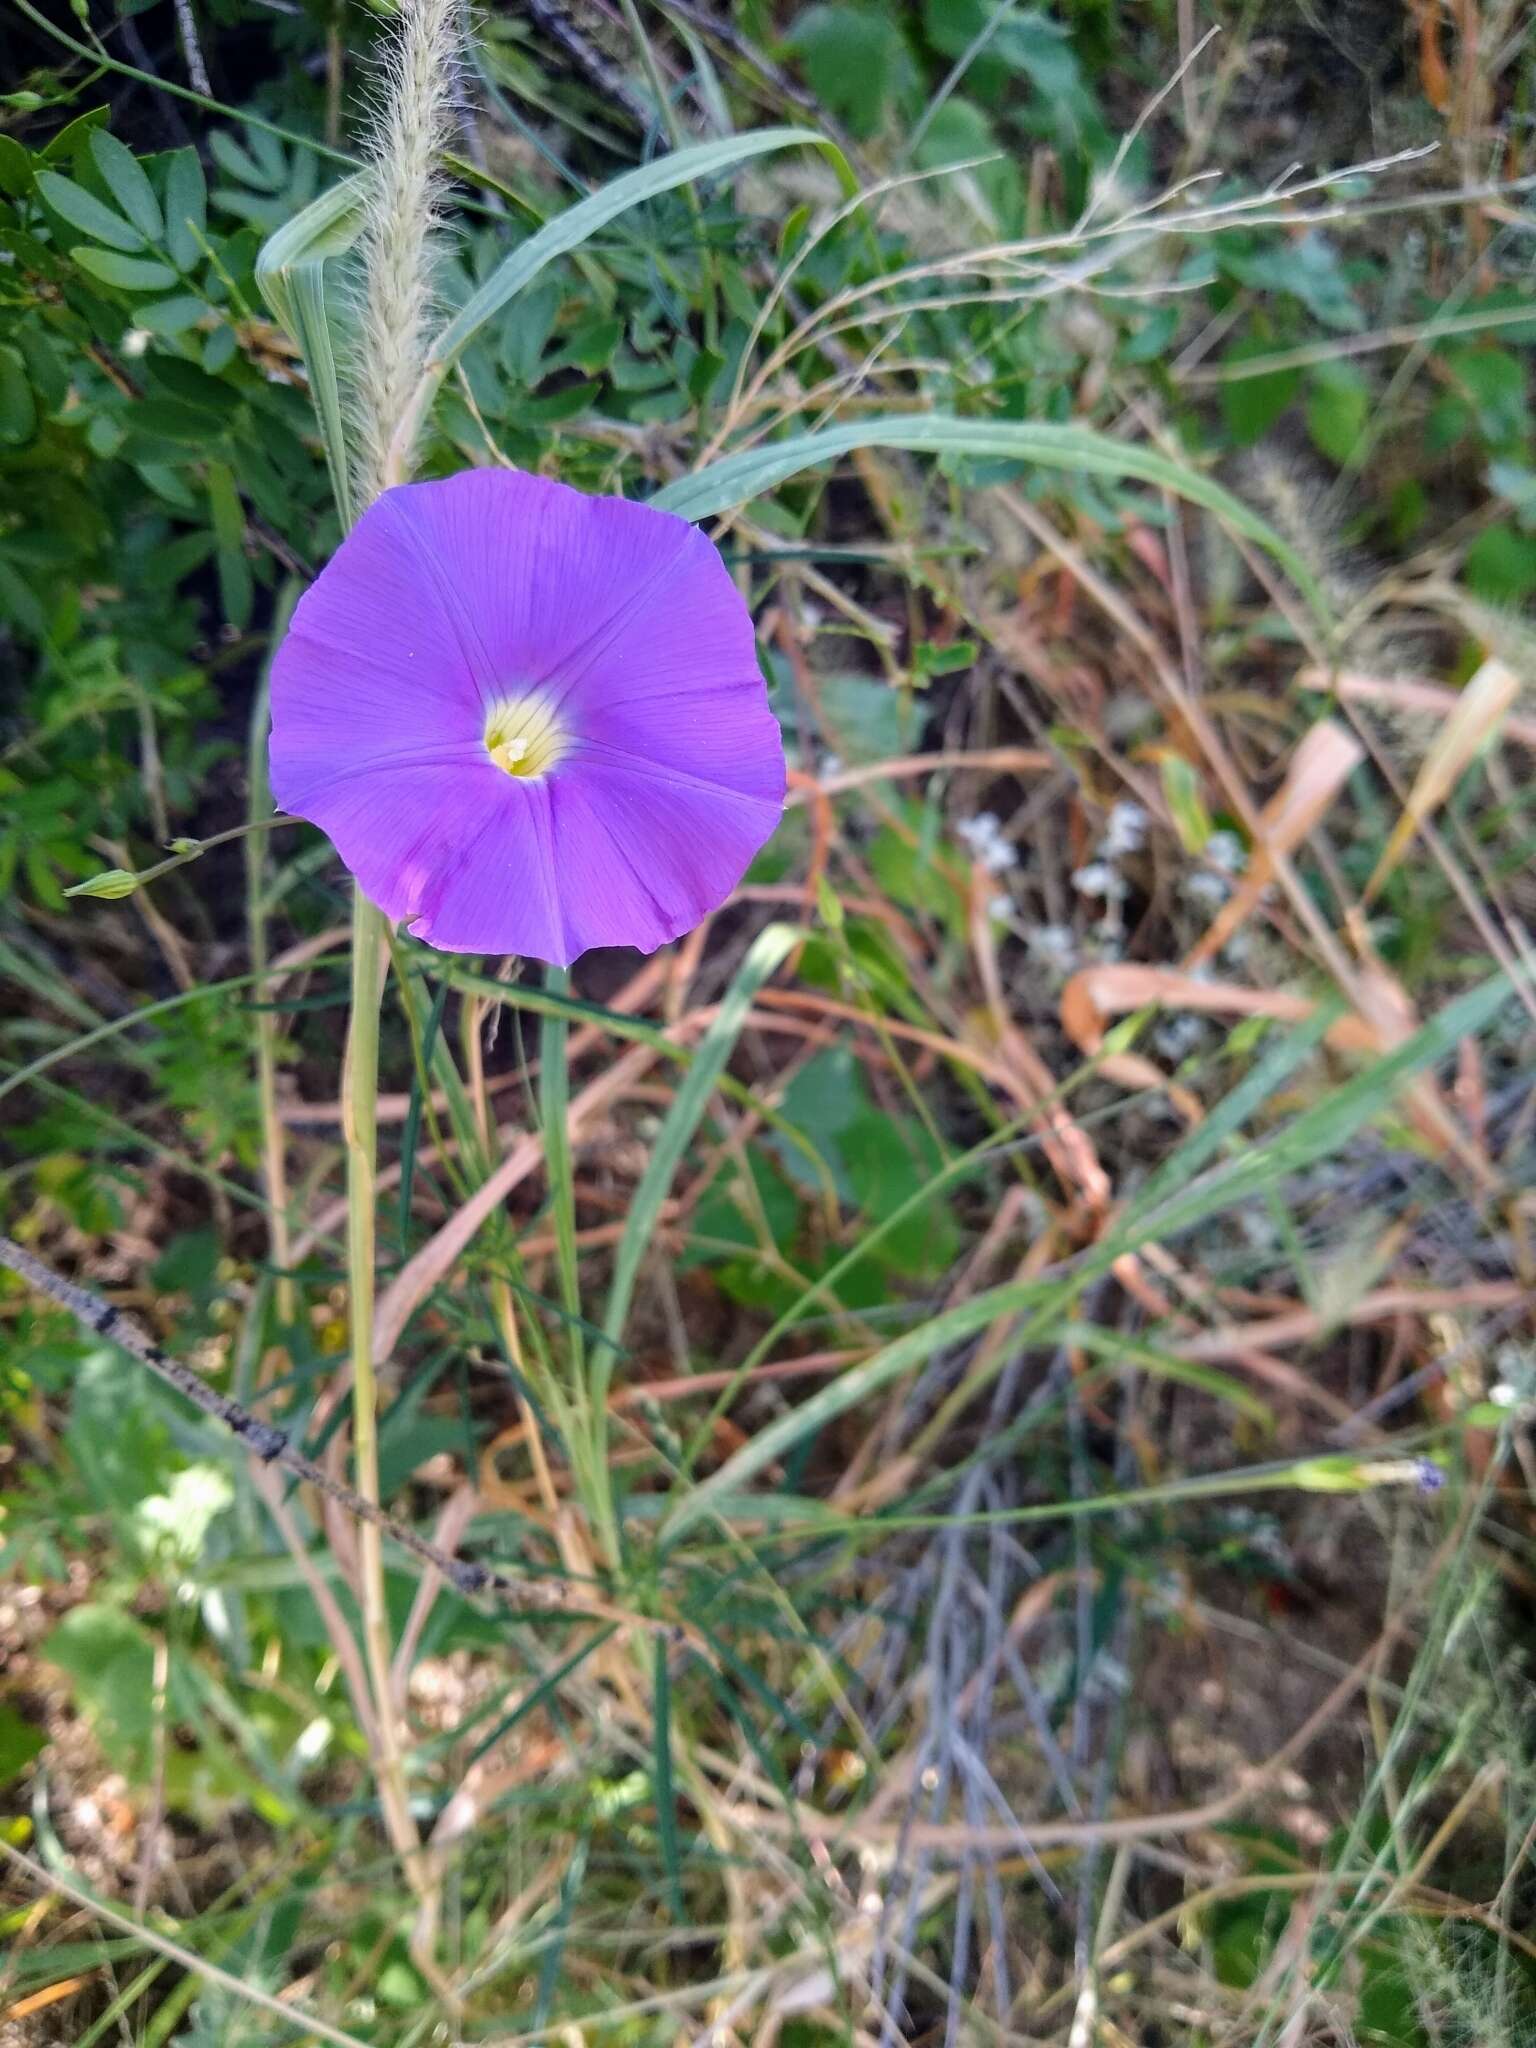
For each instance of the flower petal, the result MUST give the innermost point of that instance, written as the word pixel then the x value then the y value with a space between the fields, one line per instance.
pixel 370 671
pixel 530 570
pixel 638 864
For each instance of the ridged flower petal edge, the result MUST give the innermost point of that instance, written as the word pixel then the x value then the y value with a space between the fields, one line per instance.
pixel 530 720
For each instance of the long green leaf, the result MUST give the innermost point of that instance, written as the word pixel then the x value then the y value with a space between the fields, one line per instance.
pixel 735 479
pixel 914 1348
pixel 1327 1126
pixel 681 1122
pixel 554 1106
pixel 579 223
pixel 291 273
pixel 1309 1137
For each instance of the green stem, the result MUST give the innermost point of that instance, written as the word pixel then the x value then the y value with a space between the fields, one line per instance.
pixel 274 1170
pixel 359 1096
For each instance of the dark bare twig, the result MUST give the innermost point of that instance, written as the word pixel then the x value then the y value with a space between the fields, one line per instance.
pixel 587 57
pixel 272 1446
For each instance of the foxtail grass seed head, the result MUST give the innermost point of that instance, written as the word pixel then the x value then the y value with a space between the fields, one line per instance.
pixel 396 241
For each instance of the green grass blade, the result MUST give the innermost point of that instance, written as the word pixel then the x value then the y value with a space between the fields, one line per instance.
pixel 1116 1348
pixel 735 479
pixel 1328 1126
pixel 681 1122
pixel 666 1792
pixel 554 1106
pixel 290 270
pixel 568 230
pixel 915 1348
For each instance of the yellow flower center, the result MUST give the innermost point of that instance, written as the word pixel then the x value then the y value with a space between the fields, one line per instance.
pixel 523 736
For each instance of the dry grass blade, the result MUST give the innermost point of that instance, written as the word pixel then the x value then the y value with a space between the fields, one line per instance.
pixel 1473 725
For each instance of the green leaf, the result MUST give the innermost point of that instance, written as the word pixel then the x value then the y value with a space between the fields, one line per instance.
pixel 1309 270
pixel 124 178
pixel 228 519
pixel 1117 1348
pixel 83 210
pixel 1250 405
pixel 735 479
pixel 111 1661
pixel 172 316
pixel 128 273
pixel 851 1387
pixel 1495 381
pixel 73 136
pixel 15 168
pixel 18 407
pixel 186 208
pixel 19 1743
pixel 1501 565
pixel 579 223
pixel 1338 406
pixel 856 60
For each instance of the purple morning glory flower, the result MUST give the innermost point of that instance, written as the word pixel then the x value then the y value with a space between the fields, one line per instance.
pixel 531 721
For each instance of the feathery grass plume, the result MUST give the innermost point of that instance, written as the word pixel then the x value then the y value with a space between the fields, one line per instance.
pixel 402 210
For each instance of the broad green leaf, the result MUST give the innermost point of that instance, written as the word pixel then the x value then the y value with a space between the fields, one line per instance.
pixel 1501 565
pixel 186 208
pixel 857 61
pixel 125 180
pixel 15 167
pixel 735 479
pixel 1338 407
pixel 579 223
pixel 128 273
pixel 228 519
pixel 171 316
pixel 18 408
pixel 83 210
pixel 20 1742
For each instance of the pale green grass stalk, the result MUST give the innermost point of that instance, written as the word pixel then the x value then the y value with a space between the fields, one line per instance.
pixel 273 1150
pixel 400 212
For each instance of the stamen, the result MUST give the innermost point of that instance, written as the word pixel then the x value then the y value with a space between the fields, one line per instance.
pixel 524 737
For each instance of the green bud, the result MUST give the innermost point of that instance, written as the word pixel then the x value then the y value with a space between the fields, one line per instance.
pixel 184 846
pixel 827 903
pixel 112 883
pixel 23 102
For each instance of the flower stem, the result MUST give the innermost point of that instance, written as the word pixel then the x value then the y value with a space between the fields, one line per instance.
pixel 359 1096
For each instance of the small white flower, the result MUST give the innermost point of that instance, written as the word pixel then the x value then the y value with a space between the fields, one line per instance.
pixel 1000 906
pixel 1054 946
pixel 1177 1037
pixel 1226 851
pixel 136 340
pixel 1099 879
pixel 1125 831
pixel 984 835
pixel 1205 890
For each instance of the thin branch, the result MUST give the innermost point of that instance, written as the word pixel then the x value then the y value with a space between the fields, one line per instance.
pixel 272 1445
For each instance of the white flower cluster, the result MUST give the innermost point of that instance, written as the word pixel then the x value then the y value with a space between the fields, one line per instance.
pixel 1515 1387
pixel 1125 833
pixel 984 835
